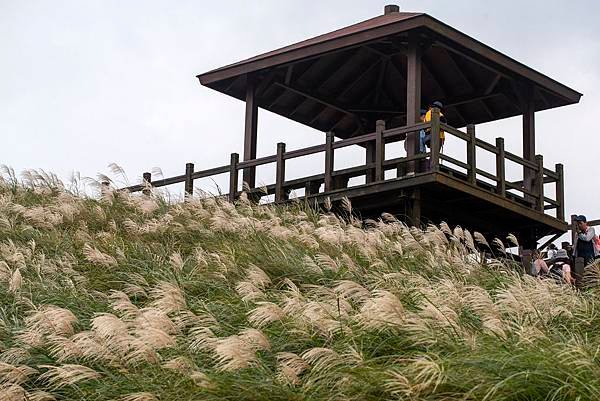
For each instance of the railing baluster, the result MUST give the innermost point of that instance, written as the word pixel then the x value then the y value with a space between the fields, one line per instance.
pixel 147 180
pixel 472 154
pixel 189 182
pixel 370 152
pixel 560 192
pixel 539 182
pixel 379 150
pixel 233 176
pixel 329 161
pixel 280 173
pixel 500 168
pixel 435 139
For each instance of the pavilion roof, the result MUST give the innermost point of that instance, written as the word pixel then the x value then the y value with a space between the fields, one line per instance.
pixel 346 79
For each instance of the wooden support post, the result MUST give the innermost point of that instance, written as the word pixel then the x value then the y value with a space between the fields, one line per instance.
pixel 280 194
pixel 311 188
pixel 573 231
pixel 413 96
pixel 250 131
pixel 560 192
pixel 414 208
pixel 472 154
pixel 500 168
pixel 539 183
pixel 370 159
pixel 528 137
pixel 147 180
pixel 233 177
pixel 435 139
pixel 329 161
pixel 379 150
pixel 189 182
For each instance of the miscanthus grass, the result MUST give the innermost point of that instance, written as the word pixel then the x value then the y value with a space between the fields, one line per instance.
pixel 135 298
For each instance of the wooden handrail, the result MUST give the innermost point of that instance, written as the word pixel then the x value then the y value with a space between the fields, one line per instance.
pixel 519 160
pixel 210 172
pixel 454 161
pixel 377 165
pixel 393 132
pixel 454 132
pixel 486 146
pixel 520 188
pixel 487 175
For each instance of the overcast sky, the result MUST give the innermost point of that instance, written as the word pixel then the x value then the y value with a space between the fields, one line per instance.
pixel 86 83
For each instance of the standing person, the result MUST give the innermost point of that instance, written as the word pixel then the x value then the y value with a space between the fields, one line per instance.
pixel 428 117
pixel 585 242
pixel 561 268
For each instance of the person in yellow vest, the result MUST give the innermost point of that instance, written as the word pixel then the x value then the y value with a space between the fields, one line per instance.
pixel 440 106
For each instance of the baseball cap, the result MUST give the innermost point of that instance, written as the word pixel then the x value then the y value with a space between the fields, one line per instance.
pixel 581 218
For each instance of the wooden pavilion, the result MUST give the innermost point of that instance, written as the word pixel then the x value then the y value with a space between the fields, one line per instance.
pixel 364 85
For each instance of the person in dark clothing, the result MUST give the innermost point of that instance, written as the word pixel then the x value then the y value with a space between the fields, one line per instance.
pixel 585 242
pixel 560 270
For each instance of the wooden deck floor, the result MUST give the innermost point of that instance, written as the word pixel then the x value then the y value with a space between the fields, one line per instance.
pixel 443 196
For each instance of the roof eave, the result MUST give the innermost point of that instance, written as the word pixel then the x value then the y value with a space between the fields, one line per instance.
pixel 501 59
pixel 312 50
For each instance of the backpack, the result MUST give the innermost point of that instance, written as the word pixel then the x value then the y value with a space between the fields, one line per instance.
pixel 556 272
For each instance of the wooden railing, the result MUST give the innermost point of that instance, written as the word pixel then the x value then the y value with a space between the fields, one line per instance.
pixel 530 194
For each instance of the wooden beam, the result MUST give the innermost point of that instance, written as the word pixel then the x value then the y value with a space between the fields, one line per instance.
pixel 306 94
pixel 233 177
pixel 560 192
pixel 358 78
pixel 493 84
pixel 444 89
pixel 380 77
pixel 379 150
pixel 320 99
pixel 250 131
pixel 189 181
pixel 280 193
pixel 326 75
pixel 528 136
pixel 413 95
pixel 459 71
pixel 472 155
pixel 288 74
pixel 500 168
pixel 329 138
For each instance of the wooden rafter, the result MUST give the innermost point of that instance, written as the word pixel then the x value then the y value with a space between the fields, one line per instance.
pixel 443 88
pixel 320 99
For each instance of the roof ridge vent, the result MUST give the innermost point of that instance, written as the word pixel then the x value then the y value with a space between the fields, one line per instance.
pixel 391 8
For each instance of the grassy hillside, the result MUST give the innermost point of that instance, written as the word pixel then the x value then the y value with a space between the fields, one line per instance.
pixel 130 298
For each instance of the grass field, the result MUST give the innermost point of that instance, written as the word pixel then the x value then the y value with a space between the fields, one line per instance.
pixel 132 298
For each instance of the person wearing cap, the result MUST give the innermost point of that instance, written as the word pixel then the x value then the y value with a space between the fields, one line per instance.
pixel 561 268
pixel 585 241
pixel 428 115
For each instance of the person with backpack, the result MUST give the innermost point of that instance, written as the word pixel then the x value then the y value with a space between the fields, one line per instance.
pixel 428 116
pixel 585 242
pixel 560 270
